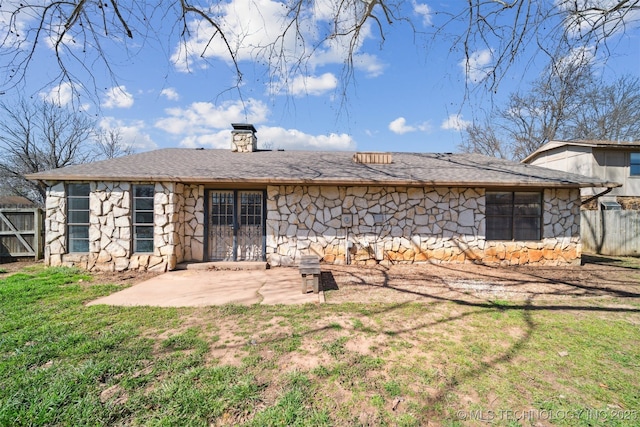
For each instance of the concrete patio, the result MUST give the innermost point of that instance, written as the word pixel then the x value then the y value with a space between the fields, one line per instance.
pixel 198 288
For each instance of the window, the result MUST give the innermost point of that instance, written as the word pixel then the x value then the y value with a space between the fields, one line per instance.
pixel 513 215
pixel 143 218
pixel 78 217
pixel 635 164
pixel 251 208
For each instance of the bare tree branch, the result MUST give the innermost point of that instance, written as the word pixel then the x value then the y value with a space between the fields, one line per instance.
pixel 39 136
pixel 508 29
pixel 570 106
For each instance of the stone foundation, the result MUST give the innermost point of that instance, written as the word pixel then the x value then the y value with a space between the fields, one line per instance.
pixel 629 203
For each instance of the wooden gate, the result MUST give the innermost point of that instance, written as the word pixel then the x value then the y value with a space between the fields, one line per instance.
pixel 20 232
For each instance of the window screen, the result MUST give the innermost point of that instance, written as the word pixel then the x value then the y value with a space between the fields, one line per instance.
pixel 143 218
pixel 513 215
pixel 78 217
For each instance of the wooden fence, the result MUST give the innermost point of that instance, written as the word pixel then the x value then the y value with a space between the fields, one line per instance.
pixel 21 232
pixel 611 232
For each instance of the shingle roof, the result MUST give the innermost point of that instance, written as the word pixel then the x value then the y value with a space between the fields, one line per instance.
pixel 330 167
pixel 613 145
pixel 16 201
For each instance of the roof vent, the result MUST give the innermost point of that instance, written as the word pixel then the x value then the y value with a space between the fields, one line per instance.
pixel 372 158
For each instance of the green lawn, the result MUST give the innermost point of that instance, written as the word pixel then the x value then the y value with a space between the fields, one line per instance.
pixel 62 363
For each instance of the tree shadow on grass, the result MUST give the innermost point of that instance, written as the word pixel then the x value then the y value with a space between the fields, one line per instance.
pixel 610 300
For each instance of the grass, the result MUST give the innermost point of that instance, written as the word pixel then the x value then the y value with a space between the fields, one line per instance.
pixel 62 363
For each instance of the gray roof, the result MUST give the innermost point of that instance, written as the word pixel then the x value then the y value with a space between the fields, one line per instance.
pixel 16 201
pixel 313 167
pixel 610 145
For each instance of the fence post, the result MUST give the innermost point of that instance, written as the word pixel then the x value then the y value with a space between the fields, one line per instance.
pixel 38 229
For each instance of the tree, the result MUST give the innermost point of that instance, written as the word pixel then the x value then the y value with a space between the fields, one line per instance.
pixel 609 112
pixel 110 144
pixel 39 136
pixel 78 31
pixel 570 105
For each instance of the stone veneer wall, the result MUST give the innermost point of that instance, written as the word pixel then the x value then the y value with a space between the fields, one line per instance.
pixel 405 224
pixel 192 222
pixel 55 220
pixel 178 227
pixel 389 224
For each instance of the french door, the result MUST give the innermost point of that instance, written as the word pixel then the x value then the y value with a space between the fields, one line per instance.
pixel 236 225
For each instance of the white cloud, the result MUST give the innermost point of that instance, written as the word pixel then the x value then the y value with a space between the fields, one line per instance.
pixel 170 93
pixel 18 22
pixel 118 97
pixel 53 38
pixel 249 26
pixel 424 11
pixel 254 27
pixel 477 67
pixel 400 127
pixel 292 139
pixel 202 118
pixel 61 94
pixel 586 15
pixel 133 133
pixel 455 122
pixel 369 64
pixel 575 59
pixel 205 124
pixel 65 94
pixel 273 138
pixel 306 85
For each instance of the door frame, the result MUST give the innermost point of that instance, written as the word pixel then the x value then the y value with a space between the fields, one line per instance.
pixel 236 225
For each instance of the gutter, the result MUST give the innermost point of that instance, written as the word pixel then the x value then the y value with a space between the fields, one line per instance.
pixel 325 181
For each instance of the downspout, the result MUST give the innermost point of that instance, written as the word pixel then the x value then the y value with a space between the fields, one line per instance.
pixel 346 247
pixel 608 190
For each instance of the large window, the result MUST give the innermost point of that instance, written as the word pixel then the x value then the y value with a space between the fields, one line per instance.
pixel 635 164
pixel 143 218
pixel 78 217
pixel 513 215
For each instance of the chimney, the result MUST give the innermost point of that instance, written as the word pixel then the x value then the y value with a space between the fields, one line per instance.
pixel 243 138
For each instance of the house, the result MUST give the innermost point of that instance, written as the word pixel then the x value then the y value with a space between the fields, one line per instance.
pixel 610 219
pixel 156 209
pixel 606 160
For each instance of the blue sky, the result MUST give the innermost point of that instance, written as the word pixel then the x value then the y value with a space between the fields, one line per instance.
pixel 410 93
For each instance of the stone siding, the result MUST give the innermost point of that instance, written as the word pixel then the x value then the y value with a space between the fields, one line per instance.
pixel 405 224
pixel 357 224
pixel 191 222
pixel 178 228
pixel 55 225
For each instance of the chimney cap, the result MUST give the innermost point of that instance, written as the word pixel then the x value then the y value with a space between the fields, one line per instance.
pixel 244 127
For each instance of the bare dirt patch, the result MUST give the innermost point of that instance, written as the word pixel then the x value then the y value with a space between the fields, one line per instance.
pixel 15 266
pixel 598 277
pixel 128 277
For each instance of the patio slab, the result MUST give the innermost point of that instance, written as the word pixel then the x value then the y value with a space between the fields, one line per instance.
pixel 198 288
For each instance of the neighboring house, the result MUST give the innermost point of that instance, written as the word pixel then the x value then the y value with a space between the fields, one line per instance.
pixel 606 160
pixel 156 209
pixel 610 223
